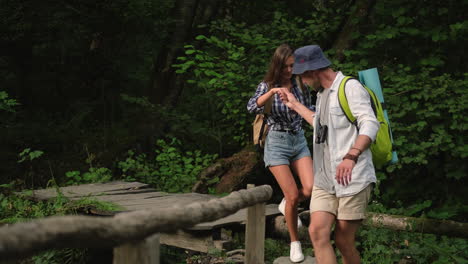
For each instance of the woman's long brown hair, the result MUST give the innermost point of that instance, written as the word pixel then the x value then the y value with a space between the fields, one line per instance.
pixel 273 75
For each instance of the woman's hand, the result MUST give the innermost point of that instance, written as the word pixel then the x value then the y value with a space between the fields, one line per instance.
pixel 266 96
pixel 276 90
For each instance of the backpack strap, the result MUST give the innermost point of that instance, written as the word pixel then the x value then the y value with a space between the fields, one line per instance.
pixel 266 112
pixel 344 101
pixel 269 103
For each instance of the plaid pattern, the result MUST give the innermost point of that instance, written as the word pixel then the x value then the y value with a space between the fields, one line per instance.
pixel 281 117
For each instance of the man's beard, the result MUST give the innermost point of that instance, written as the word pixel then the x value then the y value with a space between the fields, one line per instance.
pixel 316 86
pixel 312 84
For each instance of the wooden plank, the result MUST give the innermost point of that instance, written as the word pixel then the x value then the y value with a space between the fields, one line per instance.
pixel 186 198
pixel 88 189
pixel 153 204
pixel 132 191
pixel 164 201
pixel 120 193
pixel 161 202
pixel 146 206
pixel 255 233
pixel 126 197
pixel 144 252
pixel 238 218
pixel 196 241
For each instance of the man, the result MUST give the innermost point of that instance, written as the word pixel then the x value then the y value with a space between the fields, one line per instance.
pixel 343 167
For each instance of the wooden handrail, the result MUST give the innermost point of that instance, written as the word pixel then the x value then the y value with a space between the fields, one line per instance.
pixel 23 239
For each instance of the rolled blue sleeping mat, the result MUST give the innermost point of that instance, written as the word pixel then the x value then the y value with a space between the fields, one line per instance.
pixel 370 78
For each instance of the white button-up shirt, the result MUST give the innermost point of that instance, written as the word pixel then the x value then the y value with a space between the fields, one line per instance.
pixel 341 137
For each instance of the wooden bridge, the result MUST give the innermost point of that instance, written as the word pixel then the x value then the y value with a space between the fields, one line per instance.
pixel 133 196
pixel 191 221
pixel 148 218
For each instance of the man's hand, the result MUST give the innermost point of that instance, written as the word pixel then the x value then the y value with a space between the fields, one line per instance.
pixel 344 171
pixel 290 101
pixel 288 98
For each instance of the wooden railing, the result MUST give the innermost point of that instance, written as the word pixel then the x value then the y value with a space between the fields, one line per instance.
pixel 134 235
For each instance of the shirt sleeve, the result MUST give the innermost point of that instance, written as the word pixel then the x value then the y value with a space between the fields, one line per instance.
pixel 360 105
pixel 252 106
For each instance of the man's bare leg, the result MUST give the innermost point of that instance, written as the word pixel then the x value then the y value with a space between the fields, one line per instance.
pixel 319 231
pixel 345 233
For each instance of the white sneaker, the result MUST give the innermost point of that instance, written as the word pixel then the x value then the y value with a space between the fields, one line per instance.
pixel 295 255
pixel 282 208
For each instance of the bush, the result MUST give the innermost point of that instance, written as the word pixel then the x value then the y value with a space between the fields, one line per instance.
pixel 171 170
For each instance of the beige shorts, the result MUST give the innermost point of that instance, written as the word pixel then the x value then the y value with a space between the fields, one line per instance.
pixel 344 208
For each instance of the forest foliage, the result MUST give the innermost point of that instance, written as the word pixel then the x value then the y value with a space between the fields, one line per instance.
pixel 155 90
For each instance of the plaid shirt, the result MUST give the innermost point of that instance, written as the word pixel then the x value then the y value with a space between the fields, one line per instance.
pixel 281 117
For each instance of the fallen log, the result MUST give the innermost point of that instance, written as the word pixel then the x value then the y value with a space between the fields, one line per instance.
pixel 417 224
pixel 232 173
pixel 279 228
pixel 393 222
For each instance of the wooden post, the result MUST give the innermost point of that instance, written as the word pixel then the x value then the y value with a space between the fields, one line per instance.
pixel 255 233
pixel 142 252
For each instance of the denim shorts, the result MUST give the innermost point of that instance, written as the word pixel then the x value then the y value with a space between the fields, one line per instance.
pixel 283 147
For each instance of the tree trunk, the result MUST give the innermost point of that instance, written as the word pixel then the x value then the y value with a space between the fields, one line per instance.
pixel 165 86
pixel 356 19
pixel 207 9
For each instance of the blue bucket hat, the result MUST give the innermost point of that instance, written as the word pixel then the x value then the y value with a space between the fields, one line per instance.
pixel 309 58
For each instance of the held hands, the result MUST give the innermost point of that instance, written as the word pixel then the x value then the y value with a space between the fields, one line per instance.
pixel 292 103
pixel 287 97
pixel 344 171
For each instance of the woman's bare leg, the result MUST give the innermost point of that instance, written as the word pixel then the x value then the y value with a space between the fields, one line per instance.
pixel 285 179
pixel 304 169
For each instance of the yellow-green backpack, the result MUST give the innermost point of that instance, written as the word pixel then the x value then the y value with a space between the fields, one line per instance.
pixel 381 148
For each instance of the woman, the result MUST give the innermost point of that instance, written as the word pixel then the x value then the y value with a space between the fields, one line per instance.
pixel 286 147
